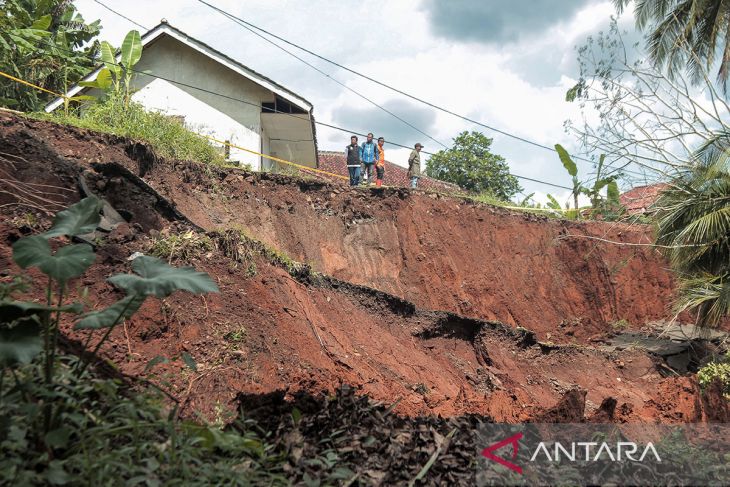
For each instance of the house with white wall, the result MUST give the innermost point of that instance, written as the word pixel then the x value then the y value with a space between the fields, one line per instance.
pixel 220 97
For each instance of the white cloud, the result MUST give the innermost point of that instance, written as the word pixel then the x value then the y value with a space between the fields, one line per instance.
pixel 507 86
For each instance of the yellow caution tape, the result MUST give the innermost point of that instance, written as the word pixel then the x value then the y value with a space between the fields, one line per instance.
pixel 284 161
pixel 300 166
pixel 18 80
pixel 527 208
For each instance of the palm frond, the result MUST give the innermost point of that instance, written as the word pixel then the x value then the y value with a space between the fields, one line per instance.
pixel 693 223
pixel 707 294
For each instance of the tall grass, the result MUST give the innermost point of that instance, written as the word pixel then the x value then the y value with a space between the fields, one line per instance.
pixel 166 135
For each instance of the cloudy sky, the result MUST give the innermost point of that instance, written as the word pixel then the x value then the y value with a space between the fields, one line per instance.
pixel 507 64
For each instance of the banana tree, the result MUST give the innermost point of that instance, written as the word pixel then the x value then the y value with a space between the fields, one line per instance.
pixel 117 75
pixel 45 42
pixel 572 169
pixel 593 192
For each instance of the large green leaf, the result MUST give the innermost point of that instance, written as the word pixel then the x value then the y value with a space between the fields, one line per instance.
pixel 68 262
pixel 601 183
pixel 42 23
pixel 613 194
pixel 103 80
pixel 131 49
pixel 31 251
pixel 124 308
pixel 20 344
pixel 11 310
pixel 110 59
pixel 78 219
pixel 157 278
pixel 566 160
pixel 553 203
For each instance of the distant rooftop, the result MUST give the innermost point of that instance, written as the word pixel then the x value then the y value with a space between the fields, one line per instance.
pixel 639 200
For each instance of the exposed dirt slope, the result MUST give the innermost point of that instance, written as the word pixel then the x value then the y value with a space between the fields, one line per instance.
pixel 272 331
pixel 438 252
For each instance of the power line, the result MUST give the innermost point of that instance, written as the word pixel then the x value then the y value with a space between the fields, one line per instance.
pixel 384 85
pixel 240 100
pixel 256 104
pixel 121 15
pixel 327 75
pixel 249 26
pixel 300 59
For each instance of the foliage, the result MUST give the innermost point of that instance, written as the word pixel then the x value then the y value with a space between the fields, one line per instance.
pixel 716 371
pixel 181 246
pixel 686 34
pixel 646 122
pixel 166 135
pixel 108 434
pixel 235 243
pixel 693 220
pixel 117 76
pixel 471 165
pixel 598 203
pixel 29 329
pixel 45 42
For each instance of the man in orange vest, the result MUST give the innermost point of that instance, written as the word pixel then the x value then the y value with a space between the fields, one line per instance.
pixel 380 163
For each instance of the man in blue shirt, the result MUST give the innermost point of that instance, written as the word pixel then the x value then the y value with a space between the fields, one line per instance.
pixel 368 155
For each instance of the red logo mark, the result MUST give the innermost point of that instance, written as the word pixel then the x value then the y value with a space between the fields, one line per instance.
pixel 488 452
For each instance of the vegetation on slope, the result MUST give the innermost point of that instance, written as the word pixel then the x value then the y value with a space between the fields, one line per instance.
pixel 166 135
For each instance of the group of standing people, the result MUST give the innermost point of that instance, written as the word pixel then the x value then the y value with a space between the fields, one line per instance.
pixel 368 158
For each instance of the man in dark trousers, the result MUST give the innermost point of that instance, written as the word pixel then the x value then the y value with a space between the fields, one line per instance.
pixel 368 156
pixel 352 155
pixel 414 165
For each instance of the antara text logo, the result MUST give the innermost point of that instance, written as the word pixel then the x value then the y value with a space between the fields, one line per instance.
pixel 579 451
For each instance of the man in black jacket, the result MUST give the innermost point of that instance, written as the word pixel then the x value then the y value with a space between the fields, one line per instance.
pixel 352 154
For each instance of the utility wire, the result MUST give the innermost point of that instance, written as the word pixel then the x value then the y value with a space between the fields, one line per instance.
pixel 240 100
pixel 121 15
pixel 248 102
pixel 323 73
pixel 384 85
pixel 250 26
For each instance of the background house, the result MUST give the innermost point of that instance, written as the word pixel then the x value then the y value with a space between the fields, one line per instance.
pixel 217 96
pixel 639 200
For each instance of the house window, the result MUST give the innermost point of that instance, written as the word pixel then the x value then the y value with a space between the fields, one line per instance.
pixel 280 105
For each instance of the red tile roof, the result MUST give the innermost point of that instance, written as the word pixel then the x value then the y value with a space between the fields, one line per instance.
pixel 638 200
pixel 395 175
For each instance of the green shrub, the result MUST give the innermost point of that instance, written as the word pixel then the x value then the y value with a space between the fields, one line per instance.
pixel 181 246
pixel 166 135
pixel 621 324
pixel 236 244
pixel 716 370
pixel 112 435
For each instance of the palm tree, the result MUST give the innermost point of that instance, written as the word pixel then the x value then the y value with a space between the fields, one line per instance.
pixel 693 217
pixel 686 34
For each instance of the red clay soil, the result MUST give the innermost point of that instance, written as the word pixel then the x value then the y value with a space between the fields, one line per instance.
pixel 272 331
pixel 439 252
